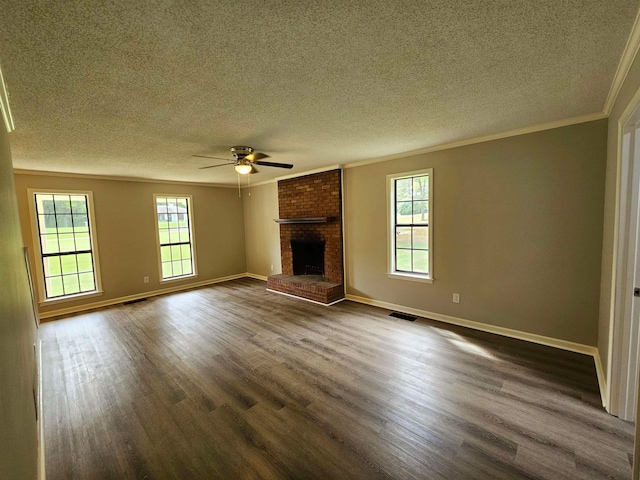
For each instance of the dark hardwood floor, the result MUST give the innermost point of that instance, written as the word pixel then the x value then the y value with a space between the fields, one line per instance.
pixel 231 381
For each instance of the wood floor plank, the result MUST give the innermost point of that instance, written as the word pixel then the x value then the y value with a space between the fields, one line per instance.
pixel 231 381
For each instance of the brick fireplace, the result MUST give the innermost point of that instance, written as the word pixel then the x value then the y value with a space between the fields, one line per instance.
pixel 310 210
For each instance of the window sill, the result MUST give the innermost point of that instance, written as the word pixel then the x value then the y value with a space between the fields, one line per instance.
pixel 70 298
pixel 177 279
pixel 409 277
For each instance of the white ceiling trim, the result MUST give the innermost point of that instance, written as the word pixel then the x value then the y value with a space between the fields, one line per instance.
pixel 487 138
pixel 20 171
pixel 445 146
pixel 626 60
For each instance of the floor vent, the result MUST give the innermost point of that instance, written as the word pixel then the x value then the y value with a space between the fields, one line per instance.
pixel 134 301
pixel 403 316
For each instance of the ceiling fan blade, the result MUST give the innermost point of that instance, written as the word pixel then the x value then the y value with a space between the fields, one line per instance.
pixel 273 164
pixel 254 170
pixel 256 156
pixel 212 166
pixel 215 158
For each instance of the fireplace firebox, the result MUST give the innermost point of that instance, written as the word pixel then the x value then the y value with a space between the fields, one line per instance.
pixel 308 257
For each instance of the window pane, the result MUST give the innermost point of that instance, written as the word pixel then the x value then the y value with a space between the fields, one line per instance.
pixel 68 264
pixel 403 213
pixel 177 267
pixel 87 282
pixel 164 236
pixel 403 237
pixel 51 266
pixel 166 270
pixel 85 263
pixel 53 286
pixel 421 261
pixel 186 267
pixel 78 204
pixel 184 235
pixel 421 238
pixel 185 251
pixel 83 241
pixel 47 223
pixel 421 187
pixel 49 243
pixel 420 212
pixel 175 252
pixel 165 254
pixel 71 284
pixel 62 204
pixel 174 235
pixel 67 243
pixel 403 189
pixel 80 222
pixel 64 223
pixel 44 203
pixel 403 260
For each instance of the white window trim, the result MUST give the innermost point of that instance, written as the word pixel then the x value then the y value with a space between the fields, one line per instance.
pixel 391 237
pixel 35 235
pixel 192 239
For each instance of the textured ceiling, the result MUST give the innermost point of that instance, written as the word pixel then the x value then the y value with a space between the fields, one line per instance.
pixel 130 88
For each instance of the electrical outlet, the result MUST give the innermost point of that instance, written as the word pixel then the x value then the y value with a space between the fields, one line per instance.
pixel 456 298
pixel 145 279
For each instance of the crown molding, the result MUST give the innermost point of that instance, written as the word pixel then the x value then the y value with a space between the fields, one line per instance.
pixel 4 105
pixel 20 171
pixel 445 146
pixel 628 56
pixel 590 117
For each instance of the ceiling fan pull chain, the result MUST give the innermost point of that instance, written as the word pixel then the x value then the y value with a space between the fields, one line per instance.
pixel 239 195
pixel 249 183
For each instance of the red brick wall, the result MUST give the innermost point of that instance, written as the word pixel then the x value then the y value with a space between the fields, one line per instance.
pixel 317 195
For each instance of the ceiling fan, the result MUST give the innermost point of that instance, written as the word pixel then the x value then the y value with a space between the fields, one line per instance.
pixel 245 160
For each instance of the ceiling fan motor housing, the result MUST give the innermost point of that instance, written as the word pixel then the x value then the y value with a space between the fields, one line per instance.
pixel 240 152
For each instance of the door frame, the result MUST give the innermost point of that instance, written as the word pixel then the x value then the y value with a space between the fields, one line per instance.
pixel 624 342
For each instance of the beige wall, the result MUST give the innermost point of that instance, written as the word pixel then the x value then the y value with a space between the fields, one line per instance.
pixel 125 229
pixel 628 90
pixel 517 232
pixel 262 234
pixel 18 335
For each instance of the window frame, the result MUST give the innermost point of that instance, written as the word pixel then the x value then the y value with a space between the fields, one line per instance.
pixel 35 230
pixel 392 272
pixel 192 235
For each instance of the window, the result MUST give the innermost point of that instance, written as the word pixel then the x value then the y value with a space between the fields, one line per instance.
pixel 175 236
pixel 410 235
pixel 66 244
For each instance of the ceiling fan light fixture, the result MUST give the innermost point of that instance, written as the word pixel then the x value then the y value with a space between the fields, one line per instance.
pixel 243 168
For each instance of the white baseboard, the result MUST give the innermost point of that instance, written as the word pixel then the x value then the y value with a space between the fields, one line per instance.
pixel 485 327
pixel 505 332
pixel 137 296
pixel 602 380
pixel 256 276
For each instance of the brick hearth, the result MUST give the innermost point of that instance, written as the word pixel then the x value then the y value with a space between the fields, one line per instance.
pixel 311 196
